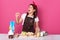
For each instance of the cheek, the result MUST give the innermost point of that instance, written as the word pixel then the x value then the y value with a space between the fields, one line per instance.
pixel 31 10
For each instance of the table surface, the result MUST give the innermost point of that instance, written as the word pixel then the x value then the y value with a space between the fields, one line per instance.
pixel 48 37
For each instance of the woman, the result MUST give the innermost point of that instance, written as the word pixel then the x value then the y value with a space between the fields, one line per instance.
pixel 29 21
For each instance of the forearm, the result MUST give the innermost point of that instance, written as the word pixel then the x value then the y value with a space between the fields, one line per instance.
pixel 37 29
pixel 17 20
pixel 37 32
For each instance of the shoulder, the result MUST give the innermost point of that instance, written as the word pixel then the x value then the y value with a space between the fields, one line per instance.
pixel 36 19
pixel 23 15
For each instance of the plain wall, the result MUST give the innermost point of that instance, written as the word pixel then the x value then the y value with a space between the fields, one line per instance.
pixel 48 13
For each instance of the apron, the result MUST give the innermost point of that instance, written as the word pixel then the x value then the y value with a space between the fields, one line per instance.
pixel 28 25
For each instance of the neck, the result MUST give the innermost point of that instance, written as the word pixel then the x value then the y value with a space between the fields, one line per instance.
pixel 31 14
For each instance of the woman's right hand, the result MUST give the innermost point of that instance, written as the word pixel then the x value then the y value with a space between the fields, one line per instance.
pixel 17 14
pixel 18 20
pixel 17 17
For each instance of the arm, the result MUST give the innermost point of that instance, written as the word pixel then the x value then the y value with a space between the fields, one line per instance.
pixel 37 30
pixel 17 19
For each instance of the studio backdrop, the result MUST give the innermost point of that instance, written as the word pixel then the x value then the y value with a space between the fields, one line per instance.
pixel 48 13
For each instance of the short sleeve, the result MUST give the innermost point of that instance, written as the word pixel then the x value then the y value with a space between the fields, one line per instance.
pixel 23 15
pixel 36 19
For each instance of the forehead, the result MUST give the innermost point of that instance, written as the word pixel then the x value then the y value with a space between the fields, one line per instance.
pixel 30 6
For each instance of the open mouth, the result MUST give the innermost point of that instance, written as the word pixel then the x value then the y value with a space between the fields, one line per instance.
pixel 28 10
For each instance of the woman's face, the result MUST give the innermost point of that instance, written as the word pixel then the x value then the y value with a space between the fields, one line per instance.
pixel 30 9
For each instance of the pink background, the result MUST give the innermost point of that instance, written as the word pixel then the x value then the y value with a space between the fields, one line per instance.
pixel 48 12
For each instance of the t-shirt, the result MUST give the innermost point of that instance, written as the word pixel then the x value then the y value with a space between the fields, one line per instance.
pixel 24 15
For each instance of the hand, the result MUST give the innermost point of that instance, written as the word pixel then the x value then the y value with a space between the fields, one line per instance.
pixel 17 14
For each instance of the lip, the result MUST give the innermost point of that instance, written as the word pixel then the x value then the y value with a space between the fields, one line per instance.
pixel 28 10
